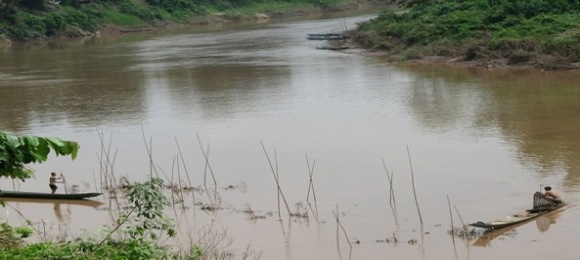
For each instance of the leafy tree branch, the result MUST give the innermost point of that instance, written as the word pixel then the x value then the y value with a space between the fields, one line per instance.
pixel 18 151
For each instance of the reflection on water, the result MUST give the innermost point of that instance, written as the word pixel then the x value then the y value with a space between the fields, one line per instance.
pixel 545 221
pixel 536 112
pixel 53 220
pixel 56 202
pixel 470 131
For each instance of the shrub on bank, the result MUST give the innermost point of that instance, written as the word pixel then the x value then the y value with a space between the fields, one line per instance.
pixel 123 249
pixel 134 237
pixel 504 26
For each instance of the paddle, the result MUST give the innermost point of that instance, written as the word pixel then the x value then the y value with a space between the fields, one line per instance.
pixel 63 183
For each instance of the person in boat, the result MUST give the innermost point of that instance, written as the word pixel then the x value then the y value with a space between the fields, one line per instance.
pixel 552 195
pixel 53 181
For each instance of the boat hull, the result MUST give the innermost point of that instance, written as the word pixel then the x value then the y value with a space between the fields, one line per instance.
pixel 325 36
pixel 514 219
pixel 39 195
pixel 54 202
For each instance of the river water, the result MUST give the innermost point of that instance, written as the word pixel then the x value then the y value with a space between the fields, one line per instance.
pixel 479 140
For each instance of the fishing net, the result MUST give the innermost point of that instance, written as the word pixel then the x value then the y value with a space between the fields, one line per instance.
pixel 543 202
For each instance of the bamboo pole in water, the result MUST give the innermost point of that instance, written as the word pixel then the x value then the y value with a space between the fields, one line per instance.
pixel 392 201
pixel 451 217
pixel 452 229
pixel 339 225
pixel 208 166
pixel 311 187
pixel 186 171
pixel 276 179
pixel 414 190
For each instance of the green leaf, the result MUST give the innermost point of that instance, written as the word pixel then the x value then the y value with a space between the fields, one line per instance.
pixel 42 149
pixel 17 151
pixel 31 141
pixel 13 141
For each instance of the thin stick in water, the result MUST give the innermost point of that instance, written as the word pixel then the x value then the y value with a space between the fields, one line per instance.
pixel 95 181
pixel 186 171
pixel 149 148
pixel 414 190
pixel 343 231
pixel 311 186
pixel 452 229
pixel 206 156
pixel 274 173
pixel 461 219
pixel 392 201
pixel 451 217
pixel 277 179
pixel 337 233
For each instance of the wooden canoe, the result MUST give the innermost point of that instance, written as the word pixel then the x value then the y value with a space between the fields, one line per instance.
pixel 332 48
pixel 39 195
pixel 486 238
pixel 325 36
pixel 515 218
pixel 54 202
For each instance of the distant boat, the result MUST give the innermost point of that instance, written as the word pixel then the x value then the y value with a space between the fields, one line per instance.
pixel 332 48
pixel 39 195
pixel 325 36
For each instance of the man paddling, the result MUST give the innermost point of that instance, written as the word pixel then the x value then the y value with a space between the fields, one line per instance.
pixel 54 180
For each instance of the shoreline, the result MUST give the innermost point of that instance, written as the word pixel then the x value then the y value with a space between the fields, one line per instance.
pixel 459 61
pixel 108 30
pixel 73 32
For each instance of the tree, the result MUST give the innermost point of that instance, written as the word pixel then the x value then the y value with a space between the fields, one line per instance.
pixel 17 151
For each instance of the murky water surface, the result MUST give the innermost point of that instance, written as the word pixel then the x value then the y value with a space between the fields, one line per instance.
pixel 484 139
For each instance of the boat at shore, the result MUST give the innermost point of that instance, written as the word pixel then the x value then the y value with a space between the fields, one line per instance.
pixel 40 195
pixel 325 36
pixel 332 48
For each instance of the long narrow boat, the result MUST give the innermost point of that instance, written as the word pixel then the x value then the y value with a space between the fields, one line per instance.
pixel 55 202
pixel 518 217
pixel 325 36
pixel 513 219
pixel 39 195
pixel 488 236
pixel 332 48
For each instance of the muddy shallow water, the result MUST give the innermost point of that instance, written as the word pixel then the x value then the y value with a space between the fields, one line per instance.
pixel 485 139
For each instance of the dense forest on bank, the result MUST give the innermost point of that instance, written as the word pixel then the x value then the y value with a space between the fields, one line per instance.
pixel 25 20
pixel 540 33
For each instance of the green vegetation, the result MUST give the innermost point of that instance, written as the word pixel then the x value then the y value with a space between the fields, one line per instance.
pixel 24 20
pixel 134 237
pixel 17 151
pixel 137 230
pixel 543 32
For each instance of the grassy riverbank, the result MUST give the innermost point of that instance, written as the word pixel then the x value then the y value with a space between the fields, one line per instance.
pixel 26 20
pixel 540 33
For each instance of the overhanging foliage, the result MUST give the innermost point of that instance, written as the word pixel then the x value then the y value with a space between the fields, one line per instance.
pixel 17 151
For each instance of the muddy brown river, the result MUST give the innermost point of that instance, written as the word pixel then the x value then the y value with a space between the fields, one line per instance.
pixel 484 139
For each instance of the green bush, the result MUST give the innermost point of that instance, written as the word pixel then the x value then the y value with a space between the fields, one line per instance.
pixel 530 25
pixel 137 240
pixel 36 19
